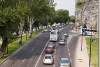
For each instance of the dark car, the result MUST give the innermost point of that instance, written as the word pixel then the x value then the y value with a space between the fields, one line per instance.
pixel 49 49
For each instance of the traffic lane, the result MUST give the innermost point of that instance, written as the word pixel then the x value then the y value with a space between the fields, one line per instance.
pixel 40 63
pixel 66 29
pixel 26 57
pixel 61 51
pixel 72 48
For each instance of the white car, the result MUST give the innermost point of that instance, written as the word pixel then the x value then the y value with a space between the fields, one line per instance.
pixel 48 59
pixel 65 62
pixel 66 35
pixel 62 42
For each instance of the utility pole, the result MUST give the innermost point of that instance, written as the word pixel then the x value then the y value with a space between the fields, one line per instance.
pixel 82 31
pixel 90 49
pixel 98 25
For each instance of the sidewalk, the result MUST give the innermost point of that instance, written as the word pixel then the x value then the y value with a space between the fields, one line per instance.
pixel 81 57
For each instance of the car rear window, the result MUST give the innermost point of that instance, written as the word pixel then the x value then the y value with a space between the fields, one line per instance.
pixel 64 61
pixel 47 57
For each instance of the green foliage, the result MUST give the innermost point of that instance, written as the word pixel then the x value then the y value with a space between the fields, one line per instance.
pixel 72 19
pixel 16 12
pixel 94 51
pixel 61 16
pixel 80 4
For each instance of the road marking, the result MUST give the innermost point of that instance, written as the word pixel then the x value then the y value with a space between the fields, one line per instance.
pixel 41 54
pixel 55 56
pixel 68 47
pixel 69 54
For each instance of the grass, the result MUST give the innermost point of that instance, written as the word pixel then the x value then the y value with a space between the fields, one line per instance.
pixel 13 46
pixel 94 51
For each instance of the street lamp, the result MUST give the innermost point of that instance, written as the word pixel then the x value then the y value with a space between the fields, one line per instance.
pixel 90 49
pixel 90 43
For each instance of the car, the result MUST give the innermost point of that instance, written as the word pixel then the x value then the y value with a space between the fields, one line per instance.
pixel 51 44
pixel 62 42
pixel 48 59
pixel 88 33
pixel 45 30
pixel 66 35
pixel 49 49
pixel 65 62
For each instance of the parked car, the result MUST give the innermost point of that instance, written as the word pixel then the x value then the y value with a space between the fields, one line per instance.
pixel 65 62
pixel 48 59
pixel 62 42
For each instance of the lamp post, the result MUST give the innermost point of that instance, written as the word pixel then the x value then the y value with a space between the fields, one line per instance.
pixel 90 49
pixel 90 42
pixel 99 35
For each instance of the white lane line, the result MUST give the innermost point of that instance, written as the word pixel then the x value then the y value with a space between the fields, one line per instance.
pixel 55 57
pixel 68 46
pixel 41 54
pixel 69 54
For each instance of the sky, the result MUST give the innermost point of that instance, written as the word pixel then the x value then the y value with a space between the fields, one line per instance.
pixel 66 4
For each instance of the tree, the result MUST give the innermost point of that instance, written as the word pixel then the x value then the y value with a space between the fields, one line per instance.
pixel 72 19
pixel 80 4
pixel 61 16
pixel 10 19
pixel 18 15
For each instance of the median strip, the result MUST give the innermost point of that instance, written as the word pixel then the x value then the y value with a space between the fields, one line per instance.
pixel 13 46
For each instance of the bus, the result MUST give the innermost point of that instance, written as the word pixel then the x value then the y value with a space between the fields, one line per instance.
pixel 54 35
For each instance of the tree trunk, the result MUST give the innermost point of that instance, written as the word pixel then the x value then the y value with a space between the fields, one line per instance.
pixel 5 42
pixel 26 35
pixel 30 20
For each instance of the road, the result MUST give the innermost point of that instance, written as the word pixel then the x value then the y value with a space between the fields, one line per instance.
pixel 62 51
pixel 32 54
pixel 27 56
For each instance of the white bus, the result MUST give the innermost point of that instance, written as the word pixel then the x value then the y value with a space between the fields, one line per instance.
pixel 54 35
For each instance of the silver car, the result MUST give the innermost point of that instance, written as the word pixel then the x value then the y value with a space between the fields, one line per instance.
pixel 65 62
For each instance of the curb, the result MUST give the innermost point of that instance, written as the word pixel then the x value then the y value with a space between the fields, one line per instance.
pixel 19 48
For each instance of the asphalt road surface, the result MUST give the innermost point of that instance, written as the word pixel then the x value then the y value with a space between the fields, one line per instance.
pixel 32 54
pixel 62 51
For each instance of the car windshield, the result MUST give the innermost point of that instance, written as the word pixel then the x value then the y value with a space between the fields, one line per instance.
pixel 64 61
pixel 47 57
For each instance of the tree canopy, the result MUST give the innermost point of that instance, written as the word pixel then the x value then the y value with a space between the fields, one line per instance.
pixel 16 15
pixel 61 16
